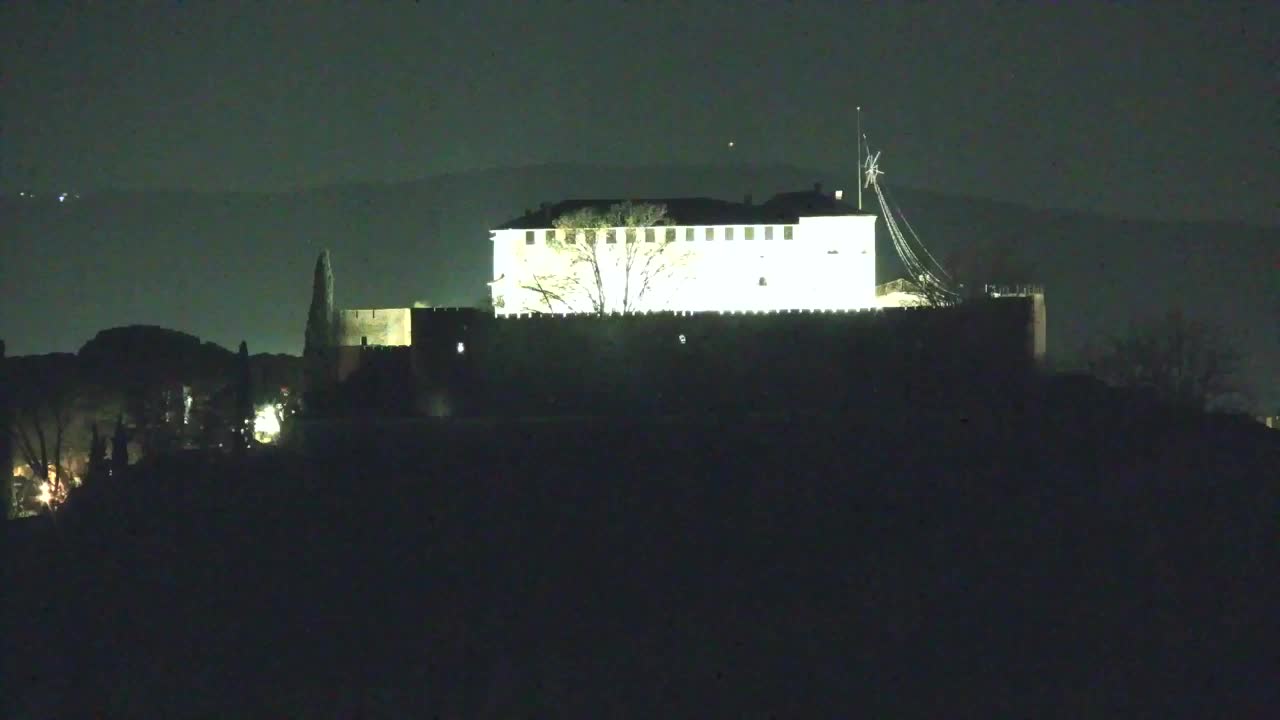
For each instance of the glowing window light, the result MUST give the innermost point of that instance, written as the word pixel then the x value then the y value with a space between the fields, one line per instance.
pixel 462 347
pixel 682 339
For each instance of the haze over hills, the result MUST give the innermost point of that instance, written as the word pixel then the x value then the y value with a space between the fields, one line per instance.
pixel 231 266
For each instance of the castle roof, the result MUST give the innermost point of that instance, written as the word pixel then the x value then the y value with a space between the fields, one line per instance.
pixel 782 209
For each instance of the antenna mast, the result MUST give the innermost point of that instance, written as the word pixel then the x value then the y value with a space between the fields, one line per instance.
pixel 858 155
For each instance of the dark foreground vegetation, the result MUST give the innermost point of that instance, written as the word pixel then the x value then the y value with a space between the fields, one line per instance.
pixel 1074 553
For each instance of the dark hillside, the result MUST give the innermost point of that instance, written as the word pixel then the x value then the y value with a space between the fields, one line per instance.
pixel 1083 555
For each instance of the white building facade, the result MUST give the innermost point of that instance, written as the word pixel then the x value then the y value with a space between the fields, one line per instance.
pixel 798 251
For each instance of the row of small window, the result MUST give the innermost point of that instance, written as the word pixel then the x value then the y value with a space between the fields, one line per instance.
pixel 651 234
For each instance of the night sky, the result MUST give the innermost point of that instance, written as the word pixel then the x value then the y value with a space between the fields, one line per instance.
pixel 1152 110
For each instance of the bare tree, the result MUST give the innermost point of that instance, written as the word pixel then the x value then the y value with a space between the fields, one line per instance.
pixel 1181 361
pixel 558 291
pixel 617 257
pixel 43 397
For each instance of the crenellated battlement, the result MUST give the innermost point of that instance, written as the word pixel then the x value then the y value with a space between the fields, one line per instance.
pixel 1025 290
pixel 801 251
pixel 687 313
pixel 373 327
pixel 467 361
pixel 446 310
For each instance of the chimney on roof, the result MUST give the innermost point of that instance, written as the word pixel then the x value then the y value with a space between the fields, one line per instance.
pixel 817 188
pixel 746 199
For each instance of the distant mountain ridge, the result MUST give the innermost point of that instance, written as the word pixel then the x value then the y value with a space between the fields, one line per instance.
pixel 227 266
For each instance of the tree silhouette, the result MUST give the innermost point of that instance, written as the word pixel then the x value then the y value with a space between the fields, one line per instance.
pixel 243 399
pixel 317 349
pixel 149 368
pixel 1179 360
pixel 44 391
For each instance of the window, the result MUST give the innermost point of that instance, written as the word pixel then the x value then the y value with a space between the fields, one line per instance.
pixel 688 234
pixel 711 233
pixel 748 233
pixel 671 234
pixel 768 232
pixel 631 235
pixel 462 347
pixel 648 235
pixel 786 232
pixel 611 236
pixel 591 236
pixel 528 237
pixel 763 282
pixel 364 341
pixel 682 339
pixel 728 233
pixel 550 236
pixel 570 237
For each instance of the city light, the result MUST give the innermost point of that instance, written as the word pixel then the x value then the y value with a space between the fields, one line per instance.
pixel 53 492
pixel 266 423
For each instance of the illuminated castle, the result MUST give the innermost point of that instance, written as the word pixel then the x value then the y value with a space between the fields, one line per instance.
pixel 687 304
pixel 796 251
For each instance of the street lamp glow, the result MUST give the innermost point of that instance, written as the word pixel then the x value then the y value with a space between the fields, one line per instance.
pixel 266 423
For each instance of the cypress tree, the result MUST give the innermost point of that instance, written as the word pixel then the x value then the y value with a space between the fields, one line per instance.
pixel 244 399
pixel 317 349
